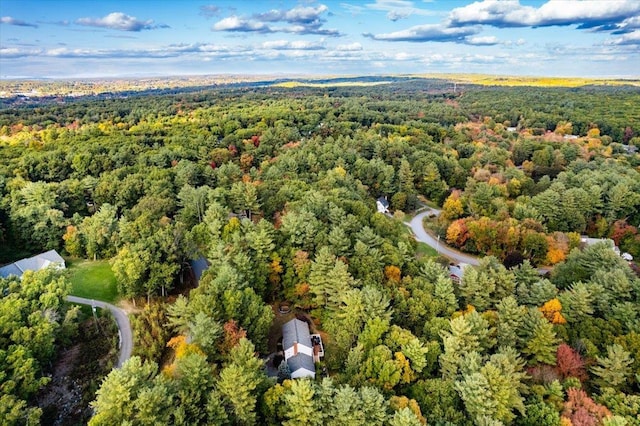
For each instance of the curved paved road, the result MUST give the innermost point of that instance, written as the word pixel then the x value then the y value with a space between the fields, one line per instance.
pixel 126 336
pixel 440 246
pixel 458 257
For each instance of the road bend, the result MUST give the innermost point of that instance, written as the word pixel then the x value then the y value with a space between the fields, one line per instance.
pixel 122 320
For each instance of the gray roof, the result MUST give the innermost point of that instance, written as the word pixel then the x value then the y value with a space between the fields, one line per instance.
pixel 34 263
pixel 301 361
pixel 295 331
pixel 10 269
pixel 384 202
pixel 198 266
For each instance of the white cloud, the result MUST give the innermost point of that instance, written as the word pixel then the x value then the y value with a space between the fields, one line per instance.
pixel 428 32
pixel 298 20
pixel 510 13
pixel 397 9
pixel 119 21
pixel 628 25
pixel 632 38
pixel 292 45
pixel 9 20
pixel 351 47
pixel 234 23
pixel 298 14
pixel 482 40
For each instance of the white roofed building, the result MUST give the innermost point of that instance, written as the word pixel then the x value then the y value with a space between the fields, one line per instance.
pixel 298 349
pixel 49 259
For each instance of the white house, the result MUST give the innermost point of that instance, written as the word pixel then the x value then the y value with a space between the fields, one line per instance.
pixel 586 241
pixel 383 205
pixel 298 349
pixel 456 272
pixel 49 259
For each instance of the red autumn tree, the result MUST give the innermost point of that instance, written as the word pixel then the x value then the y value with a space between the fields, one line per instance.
pixel 569 363
pixel 232 335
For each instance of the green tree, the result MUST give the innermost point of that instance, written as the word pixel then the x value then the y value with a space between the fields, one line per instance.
pixel 404 417
pixel 300 406
pixel 115 400
pixel 494 389
pixel 541 341
pixel 36 216
pixel 613 370
pixel 510 318
pixel 100 232
pixel 240 381
pixel 329 279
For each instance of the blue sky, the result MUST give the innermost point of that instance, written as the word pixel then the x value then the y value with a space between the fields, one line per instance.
pixel 49 38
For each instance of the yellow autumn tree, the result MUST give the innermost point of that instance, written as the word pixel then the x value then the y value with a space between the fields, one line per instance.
pixel 557 252
pixel 392 273
pixel 452 207
pixel 181 349
pixel 398 403
pixel 552 311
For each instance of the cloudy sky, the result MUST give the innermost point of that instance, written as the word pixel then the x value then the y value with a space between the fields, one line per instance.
pixel 66 38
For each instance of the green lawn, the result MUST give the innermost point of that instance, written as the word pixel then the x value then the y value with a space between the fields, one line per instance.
pixel 93 280
pixel 426 250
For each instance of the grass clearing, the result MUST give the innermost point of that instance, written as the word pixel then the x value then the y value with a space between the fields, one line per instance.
pixel 519 81
pixel 425 250
pixel 93 280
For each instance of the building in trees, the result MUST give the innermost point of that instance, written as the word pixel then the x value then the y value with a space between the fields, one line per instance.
pixel 383 205
pixel 198 266
pixel 299 348
pixel 40 261
pixel 586 242
pixel 457 271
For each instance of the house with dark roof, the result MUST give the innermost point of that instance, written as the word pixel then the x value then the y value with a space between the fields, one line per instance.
pixel 298 349
pixel 49 259
pixel 382 205
pixel 198 266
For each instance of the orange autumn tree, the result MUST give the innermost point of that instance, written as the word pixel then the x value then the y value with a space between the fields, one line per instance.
pixel 579 409
pixel 569 363
pixel 552 312
pixel 233 333
pixel 457 233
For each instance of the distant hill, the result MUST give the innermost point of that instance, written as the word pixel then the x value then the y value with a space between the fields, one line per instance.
pixel 31 92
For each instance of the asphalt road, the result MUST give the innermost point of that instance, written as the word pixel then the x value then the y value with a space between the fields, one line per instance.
pixel 126 336
pixel 456 256
pixel 440 246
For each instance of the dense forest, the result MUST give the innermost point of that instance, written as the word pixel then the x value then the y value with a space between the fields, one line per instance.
pixel 276 187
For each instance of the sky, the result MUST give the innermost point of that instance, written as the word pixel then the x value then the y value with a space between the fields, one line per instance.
pixel 138 38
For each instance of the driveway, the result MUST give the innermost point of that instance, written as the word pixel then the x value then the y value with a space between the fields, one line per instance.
pixel 124 327
pixel 440 246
